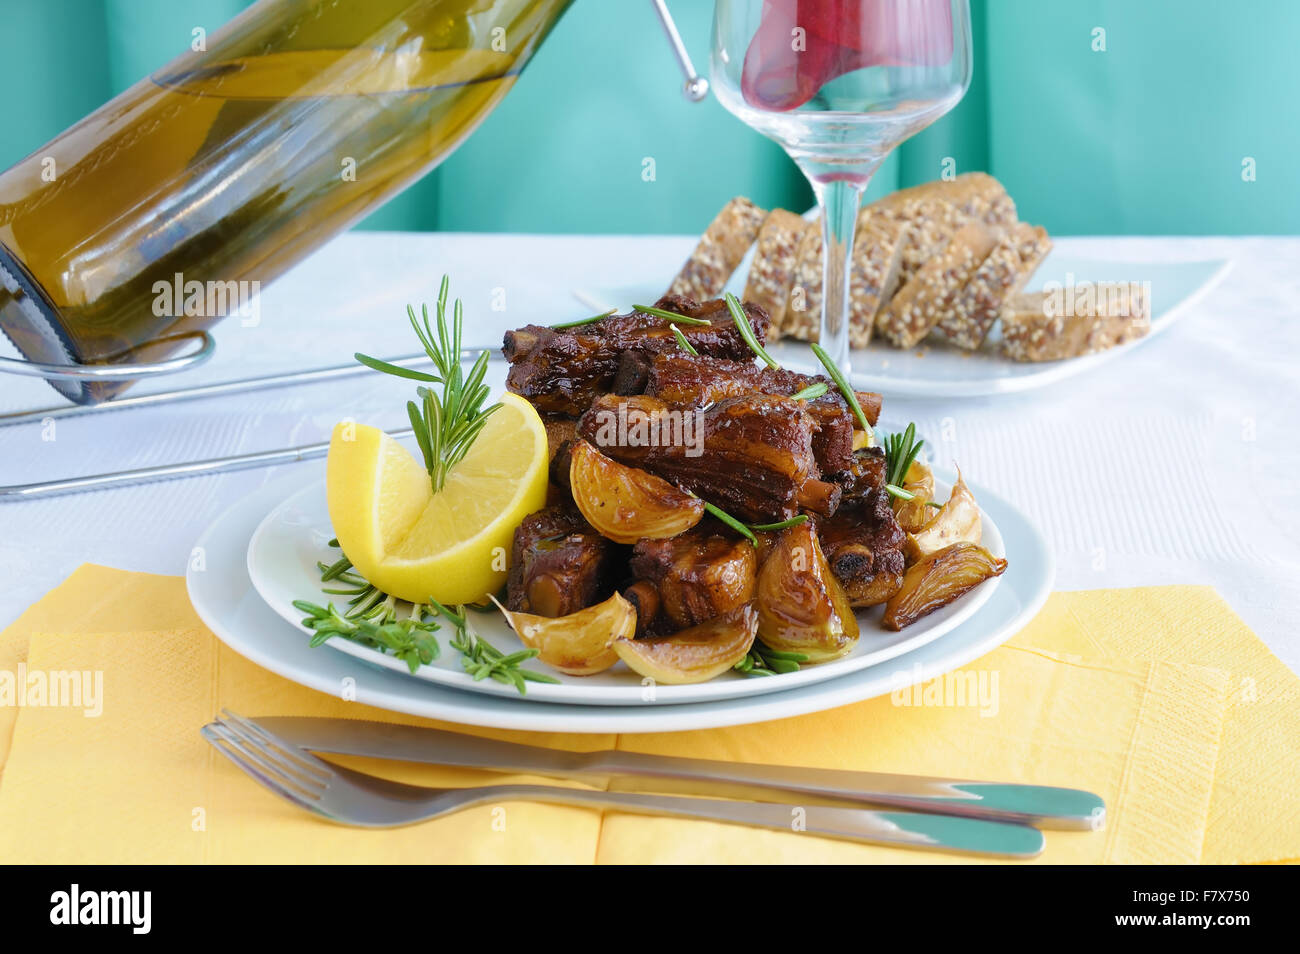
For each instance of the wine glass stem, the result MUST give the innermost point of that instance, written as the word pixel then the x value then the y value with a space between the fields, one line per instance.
pixel 839 199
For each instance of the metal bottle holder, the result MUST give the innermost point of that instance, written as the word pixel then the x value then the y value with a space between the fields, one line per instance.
pixel 75 380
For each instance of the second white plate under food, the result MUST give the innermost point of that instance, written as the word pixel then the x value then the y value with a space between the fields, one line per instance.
pixel 282 558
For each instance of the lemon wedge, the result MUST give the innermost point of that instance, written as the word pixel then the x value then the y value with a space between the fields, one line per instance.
pixel 453 545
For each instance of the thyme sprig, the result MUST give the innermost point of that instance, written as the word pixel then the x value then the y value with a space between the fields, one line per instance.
pixel 410 639
pixel 482 660
pixel 762 660
pixel 372 618
pixel 447 423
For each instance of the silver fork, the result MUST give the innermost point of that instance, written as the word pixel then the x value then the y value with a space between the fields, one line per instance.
pixel 350 797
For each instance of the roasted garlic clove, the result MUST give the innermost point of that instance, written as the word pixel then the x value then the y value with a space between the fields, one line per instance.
pixel 626 504
pixel 958 521
pixel 577 644
pixel 938 579
pixel 802 608
pixel 697 654
pixel 914 514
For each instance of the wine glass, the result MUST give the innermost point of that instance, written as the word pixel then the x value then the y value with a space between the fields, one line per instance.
pixel 838 84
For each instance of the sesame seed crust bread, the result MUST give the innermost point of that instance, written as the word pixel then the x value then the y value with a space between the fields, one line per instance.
pixel 1049 325
pixel 877 257
pixel 1008 267
pixel 936 210
pixel 772 272
pixel 933 292
pixel 720 250
pixel 803 320
pixel 873 275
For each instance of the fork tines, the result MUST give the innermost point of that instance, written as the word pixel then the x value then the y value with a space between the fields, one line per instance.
pixel 291 772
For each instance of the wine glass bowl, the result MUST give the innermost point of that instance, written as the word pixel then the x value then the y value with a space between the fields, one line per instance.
pixel 838 84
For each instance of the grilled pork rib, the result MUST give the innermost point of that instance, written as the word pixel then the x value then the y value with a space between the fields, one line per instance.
pixel 559 564
pixel 863 544
pixel 562 370
pixel 686 380
pixel 690 578
pixel 752 456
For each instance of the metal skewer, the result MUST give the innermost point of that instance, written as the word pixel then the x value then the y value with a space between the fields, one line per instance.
pixel 216 465
pixel 262 383
pixel 194 468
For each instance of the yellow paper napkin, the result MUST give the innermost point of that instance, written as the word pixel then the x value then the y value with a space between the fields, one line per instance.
pixel 1255 810
pixel 1144 736
pixel 113 788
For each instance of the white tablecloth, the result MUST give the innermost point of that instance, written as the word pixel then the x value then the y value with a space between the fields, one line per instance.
pixel 1175 464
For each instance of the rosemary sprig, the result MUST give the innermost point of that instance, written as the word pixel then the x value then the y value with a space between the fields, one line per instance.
pixel 681 340
pixel 900 452
pixel 764 661
pixel 747 331
pixel 748 530
pixel 792 522
pixel 896 491
pixel 670 315
pixel 732 522
pixel 482 660
pixel 811 391
pixel 842 383
pixel 584 321
pixel 445 424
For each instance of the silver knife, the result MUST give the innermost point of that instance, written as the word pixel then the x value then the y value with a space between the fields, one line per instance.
pixel 1040 805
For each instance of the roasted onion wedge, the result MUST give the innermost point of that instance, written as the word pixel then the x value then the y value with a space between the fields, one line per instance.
pixel 937 580
pixel 958 521
pixel 697 654
pixel 913 515
pixel 802 608
pixel 577 644
pixel 625 504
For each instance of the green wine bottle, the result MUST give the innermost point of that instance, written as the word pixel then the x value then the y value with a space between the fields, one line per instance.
pixel 170 206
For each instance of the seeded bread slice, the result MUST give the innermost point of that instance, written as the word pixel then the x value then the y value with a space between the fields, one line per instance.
pixel 772 272
pixel 936 210
pixel 1018 254
pixel 720 250
pixel 1067 323
pixel 803 320
pixel 932 293
pixel 873 276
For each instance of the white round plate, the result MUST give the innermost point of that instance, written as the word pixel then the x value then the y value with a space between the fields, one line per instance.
pixel 286 546
pixel 224 598
pixel 933 369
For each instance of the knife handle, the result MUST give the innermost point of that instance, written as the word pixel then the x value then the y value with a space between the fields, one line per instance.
pixel 898 829
pixel 1039 805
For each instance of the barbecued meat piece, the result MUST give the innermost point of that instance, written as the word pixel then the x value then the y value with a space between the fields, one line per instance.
pixel 863 544
pixel 865 473
pixel 752 456
pixel 690 578
pixel 561 370
pixel 559 564
pixel 687 380
pixel 682 378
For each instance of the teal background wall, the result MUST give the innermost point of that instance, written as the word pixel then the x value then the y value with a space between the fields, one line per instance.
pixel 1148 136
